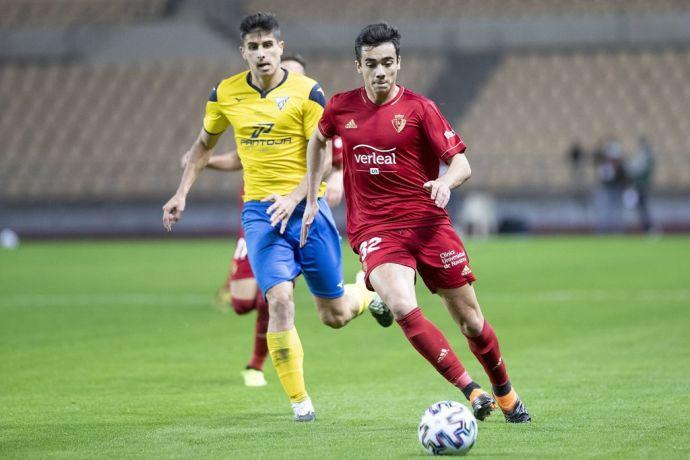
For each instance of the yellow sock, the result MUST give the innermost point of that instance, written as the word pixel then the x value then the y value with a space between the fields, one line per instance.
pixel 288 357
pixel 507 402
pixel 361 293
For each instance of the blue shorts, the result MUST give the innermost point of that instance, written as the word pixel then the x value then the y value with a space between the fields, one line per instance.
pixel 276 258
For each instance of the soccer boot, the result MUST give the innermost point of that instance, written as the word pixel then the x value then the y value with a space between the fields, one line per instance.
pixel 253 378
pixel 518 414
pixel 482 404
pixel 304 411
pixel 380 311
pixel 376 307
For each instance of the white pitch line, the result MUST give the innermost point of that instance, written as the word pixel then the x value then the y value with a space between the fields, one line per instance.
pixel 153 299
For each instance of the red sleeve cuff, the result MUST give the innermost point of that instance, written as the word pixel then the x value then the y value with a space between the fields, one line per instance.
pixel 460 147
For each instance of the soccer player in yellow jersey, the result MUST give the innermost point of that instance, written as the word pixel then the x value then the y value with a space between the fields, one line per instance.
pixel 241 291
pixel 273 113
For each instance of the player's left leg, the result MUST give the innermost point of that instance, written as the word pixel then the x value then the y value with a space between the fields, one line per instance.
pixel 464 307
pixel 321 261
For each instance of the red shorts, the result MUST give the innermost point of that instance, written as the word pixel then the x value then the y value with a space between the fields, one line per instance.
pixel 435 252
pixel 239 266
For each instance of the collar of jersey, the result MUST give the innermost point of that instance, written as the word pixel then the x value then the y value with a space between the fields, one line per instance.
pixel 261 91
pixel 363 93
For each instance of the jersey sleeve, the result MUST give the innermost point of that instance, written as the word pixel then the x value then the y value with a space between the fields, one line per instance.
pixel 214 120
pixel 444 141
pixel 326 124
pixel 313 109
pixel 337 159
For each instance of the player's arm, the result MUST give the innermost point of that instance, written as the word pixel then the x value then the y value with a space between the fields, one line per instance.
pixel 199 154
pixel 229 161
pixel 316 165
pixel 334 172
pixel 458 172
pixel 334 186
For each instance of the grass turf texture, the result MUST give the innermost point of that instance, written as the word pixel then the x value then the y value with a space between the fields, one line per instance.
pixel 110 349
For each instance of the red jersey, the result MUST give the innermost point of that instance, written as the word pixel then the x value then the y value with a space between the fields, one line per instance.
pixel 389 152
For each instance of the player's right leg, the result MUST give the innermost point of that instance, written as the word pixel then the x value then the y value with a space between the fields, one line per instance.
pixel 272 259
pixel 395 284
pixel 286 350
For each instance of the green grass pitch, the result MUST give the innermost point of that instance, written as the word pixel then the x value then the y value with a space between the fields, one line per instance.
pixel 111 349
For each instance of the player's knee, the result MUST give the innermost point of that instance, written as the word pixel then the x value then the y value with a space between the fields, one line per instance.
pixel 471 322
pixel 242 306
pixel 332 319
pixel 400 306
pixel 471 329
pixel 281 307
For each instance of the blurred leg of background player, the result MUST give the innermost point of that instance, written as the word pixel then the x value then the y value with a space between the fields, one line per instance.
pixel 241 292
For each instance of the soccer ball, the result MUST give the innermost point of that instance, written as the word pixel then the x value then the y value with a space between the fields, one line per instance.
pixel 447 428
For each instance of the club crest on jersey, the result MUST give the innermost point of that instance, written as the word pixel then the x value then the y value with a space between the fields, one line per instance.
pixel 399 122
pixel 281 101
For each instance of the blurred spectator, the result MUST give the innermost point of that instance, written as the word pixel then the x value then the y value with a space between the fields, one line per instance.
pixel 639 171
pixel 575 159
pixel 608 199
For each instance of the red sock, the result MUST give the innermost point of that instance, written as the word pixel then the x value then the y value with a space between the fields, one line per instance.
pixel 260 345
pixel 431 343
pixel 485 348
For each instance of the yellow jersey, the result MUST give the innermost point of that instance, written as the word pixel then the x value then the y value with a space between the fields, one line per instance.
pixel 272 129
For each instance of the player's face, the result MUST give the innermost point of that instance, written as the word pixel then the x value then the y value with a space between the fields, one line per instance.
pixel 262 52
pixel 292 67
pixel 379 68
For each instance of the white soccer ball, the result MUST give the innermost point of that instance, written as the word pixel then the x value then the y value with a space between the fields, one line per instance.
pixel 9 239
pixel 447 428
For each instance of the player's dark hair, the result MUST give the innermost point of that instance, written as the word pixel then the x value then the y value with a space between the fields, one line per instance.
pixel 375 35
pixel 294 57
pixel 259 22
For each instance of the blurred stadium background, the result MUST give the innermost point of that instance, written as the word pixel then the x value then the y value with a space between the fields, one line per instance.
pixel 100 98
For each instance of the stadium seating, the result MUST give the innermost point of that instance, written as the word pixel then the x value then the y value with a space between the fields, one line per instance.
pixel 61 13
pixel 536 104
pixel 401 10
pixel 118 130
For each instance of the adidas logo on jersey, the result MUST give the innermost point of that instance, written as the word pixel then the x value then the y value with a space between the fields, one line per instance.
pixel 351 124
pixel 466 271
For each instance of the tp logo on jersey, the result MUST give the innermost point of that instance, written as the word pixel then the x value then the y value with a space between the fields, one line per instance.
pixel 262 128
pixel 399 122
pixel 281 101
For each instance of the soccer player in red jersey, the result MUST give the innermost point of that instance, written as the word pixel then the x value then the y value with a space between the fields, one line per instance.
pixel 394 141
pixel 241 291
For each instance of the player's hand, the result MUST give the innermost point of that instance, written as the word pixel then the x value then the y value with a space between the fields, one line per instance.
pixel 334 191
pixel 440 192
pixel 310 211
pixel 172 211
pixel 281 210
pixel 185 159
